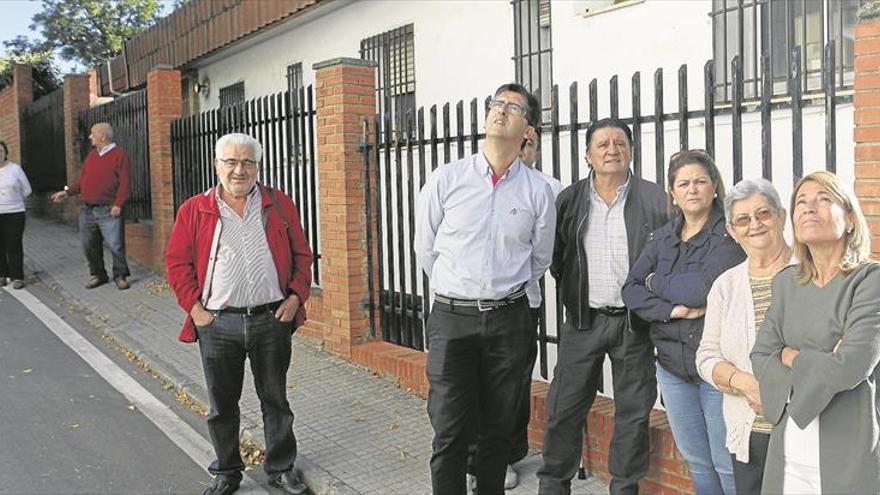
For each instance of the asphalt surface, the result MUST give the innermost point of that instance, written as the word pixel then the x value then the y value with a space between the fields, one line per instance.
pixel 64 429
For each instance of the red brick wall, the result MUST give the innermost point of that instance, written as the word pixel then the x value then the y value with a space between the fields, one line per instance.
pixel 164 104
pixel 345 96
pixel 12 98
pixel 867 124
pixel 76 100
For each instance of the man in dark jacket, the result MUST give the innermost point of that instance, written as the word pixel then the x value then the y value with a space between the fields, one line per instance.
pixel 601 226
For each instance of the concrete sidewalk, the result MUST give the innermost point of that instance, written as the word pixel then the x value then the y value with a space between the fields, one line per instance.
pixel 356 432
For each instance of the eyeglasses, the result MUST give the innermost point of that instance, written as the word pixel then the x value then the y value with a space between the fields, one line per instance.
pixel 761 215
pixel 235 162
pixel 507 106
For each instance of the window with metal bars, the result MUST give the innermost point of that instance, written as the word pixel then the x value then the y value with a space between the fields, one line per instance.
pixel 295 77
pixel 232 94
pixel 394 52
pixel 749 28
pixel 532 49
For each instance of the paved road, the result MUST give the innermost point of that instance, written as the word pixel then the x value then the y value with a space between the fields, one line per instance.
pixel 65 429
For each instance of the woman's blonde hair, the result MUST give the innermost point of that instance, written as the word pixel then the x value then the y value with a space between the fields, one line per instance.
pixel 858 239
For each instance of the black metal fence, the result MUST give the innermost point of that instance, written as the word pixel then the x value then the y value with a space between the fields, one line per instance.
pixel 284 123
pixel 42 142
pixel 398 168
pixel 128 117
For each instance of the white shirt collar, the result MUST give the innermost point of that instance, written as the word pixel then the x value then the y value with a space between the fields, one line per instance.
pixel 105 149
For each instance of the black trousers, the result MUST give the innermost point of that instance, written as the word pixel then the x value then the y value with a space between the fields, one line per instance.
pixel 748 477
pixel 224 345
pixel 475 367
pixel 11 250
pixel 573 390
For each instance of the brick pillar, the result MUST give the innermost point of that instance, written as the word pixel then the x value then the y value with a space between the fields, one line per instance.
pixel 163 106
pixel 12 99
pixel 867 116
pixel 345 96
pixel 76 100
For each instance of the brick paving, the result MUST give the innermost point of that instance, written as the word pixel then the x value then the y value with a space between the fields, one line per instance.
pixel 357 432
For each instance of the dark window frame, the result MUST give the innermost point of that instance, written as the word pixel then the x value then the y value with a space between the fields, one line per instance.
pixel 394 53
pixel 750 27
pixel 533 49
pixel 232 94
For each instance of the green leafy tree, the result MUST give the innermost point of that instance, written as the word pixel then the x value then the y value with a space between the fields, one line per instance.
pixel 21 50
pixel 92 31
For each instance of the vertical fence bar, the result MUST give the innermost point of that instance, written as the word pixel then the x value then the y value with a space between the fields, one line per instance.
pixel 447 155
pixel 613 93
pixel 797 137
pixel 709 105
pixel 659 149
pixel 830 110
pixel 459 128
pixel 682 108
pixel 393 327
pixel 405 327
pixel 554 129
pixel 474 129
pixel 313 184
pixel 594 101
pixel 383 281
pixel 736 116
pixel 426 285
pixel 412 305
pixel 766 122
pixel 637 124
pixel 434 157
pixel 368 208
pixel 573 137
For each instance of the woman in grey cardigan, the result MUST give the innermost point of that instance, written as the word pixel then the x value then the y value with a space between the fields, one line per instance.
pixel 735 310
pixel 817 355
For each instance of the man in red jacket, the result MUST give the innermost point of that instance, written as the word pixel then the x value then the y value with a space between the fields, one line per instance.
pixel 240 266
pixel 102 187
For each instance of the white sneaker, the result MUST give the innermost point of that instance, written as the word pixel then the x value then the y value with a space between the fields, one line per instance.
pixel 510 478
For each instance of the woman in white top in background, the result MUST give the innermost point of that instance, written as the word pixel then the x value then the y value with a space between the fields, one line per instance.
pixel 14 187
pixel 734 313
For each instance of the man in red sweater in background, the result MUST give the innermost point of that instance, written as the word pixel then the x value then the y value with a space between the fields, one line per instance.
pixel 103 189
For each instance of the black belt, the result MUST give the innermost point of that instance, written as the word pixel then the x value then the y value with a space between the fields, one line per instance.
pixel 93 205
pixel 481 304
pixel 608 311
pixel 252 310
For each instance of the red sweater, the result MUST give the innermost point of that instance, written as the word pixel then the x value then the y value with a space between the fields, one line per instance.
pixel 104 178
pixel 188 252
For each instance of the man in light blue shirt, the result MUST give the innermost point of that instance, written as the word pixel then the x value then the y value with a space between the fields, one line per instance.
pixel 485 232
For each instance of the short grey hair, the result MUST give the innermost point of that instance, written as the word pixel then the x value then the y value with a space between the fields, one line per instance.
pixel 239 139
pixel 105 128
pixel 747 188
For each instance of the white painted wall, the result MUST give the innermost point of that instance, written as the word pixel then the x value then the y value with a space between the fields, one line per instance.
pixel 462 48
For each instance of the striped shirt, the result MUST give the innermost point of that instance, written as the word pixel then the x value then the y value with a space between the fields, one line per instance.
pixel 244 273
pixel 606 247
pixel 761 295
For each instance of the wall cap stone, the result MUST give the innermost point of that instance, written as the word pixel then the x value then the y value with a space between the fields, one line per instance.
pixel 870 10
pixel 343 61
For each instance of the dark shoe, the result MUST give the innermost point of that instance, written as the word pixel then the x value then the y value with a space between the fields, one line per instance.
pixel 17 284
pixel 95 281
pixel 223 485
pixel 121 283
pixel 289 483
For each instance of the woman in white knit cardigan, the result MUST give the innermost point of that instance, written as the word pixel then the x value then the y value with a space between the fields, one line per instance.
pixel 734 313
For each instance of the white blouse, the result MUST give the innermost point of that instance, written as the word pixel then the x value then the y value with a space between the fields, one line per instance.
pixel 14 187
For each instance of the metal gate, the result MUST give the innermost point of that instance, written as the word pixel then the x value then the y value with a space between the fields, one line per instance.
pixel 42 142
pixel 128 116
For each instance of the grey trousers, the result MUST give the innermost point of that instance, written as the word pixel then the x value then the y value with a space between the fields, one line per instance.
pixel 573 390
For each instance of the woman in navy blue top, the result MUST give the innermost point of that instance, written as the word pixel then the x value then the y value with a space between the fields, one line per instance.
pixel 667 287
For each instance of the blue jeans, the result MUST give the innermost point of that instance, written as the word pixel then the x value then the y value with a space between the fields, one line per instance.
pixel 697 422
pixel 224 345
pixel 96 228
